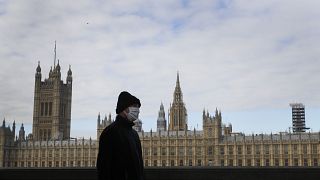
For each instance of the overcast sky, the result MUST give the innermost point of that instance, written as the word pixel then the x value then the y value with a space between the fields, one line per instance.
pixel 248 58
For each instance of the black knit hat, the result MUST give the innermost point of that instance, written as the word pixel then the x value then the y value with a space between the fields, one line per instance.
pixel 125 100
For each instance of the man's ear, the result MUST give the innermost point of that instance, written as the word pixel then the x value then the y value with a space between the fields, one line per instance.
pixel 124 112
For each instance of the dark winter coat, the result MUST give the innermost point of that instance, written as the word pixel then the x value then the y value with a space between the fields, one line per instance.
pixel 120 155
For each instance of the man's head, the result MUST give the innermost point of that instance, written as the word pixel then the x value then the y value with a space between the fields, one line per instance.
pixel 128 106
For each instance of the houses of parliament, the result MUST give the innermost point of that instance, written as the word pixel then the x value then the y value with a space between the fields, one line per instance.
pixel 173 144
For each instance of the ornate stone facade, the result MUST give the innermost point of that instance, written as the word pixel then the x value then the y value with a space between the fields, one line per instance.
pixel 52 105
pixel 215 145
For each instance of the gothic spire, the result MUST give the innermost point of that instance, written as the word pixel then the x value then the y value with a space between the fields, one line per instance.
pixel 38 67
pixel 178 81
pixel 69 71
pixel 177 96
pixel 55 54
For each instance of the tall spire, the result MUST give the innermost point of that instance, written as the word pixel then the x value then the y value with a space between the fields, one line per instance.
pixel 178 112
pixel 178 81
pixel 177 96
pixel 55 54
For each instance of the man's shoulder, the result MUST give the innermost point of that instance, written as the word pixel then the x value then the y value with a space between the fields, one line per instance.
pixel 111 129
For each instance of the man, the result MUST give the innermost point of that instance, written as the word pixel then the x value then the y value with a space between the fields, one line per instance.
pixel 120 156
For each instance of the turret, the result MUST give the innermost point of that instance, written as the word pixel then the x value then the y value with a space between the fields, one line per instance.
pixel 69 77
pixel 204 117
pixel 14 128
pixel 21 133
pixel 38 71
pixel 99 121
pixel 109 120
pixel 161 122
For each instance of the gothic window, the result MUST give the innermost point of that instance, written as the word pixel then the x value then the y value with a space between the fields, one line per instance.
pixel 43 153
pixel 50 153
pixel 172 151
pixel 266 149
pixel 210 150
pixel 163 151
pixel 198 151
pixel 257 149
pixel 44 134
pixel 286 162
pixel 181 151
pixel 155 151
pixel 257 162
pixel 222 162
pixel 249 149
pixel 276 149
pixel 146 163
pixel 267 162
pixel 50 108
pixel 189 151
pixel 155 163
pixel 146 151
pixel 49 134
pixel 42 109
pixel 305 149
pixel 172 162
pixel 286 151
pixel 230 163
pixel 230 148
pixel 46 109
pixel 190 162
pixel 314 149
pixel 163 163
pixel 239 150
pixel 315 162
pixel 63 110
pixel 199 162
pixel 248 162
pixel 210 163
pixel 222 150
pixel 210 132
pixel 295 148
pixel 41 134
pixel 181 163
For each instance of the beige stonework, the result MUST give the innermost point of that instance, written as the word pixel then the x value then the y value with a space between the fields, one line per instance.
pixel 215 145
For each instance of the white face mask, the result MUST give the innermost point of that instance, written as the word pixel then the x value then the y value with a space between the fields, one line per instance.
pixel 133 113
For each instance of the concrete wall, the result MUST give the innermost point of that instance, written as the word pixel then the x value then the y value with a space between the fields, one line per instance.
pixel 168 173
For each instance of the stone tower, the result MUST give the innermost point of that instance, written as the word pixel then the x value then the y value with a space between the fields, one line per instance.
pixel 161 122
pixel 52 104
pixel 212 126
pixel 102 123
pixel 6 141
pixel 178 112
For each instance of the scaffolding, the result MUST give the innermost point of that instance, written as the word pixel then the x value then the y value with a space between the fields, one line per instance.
pixel 298 118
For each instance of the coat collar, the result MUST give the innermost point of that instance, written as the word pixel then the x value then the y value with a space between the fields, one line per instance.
pixel 124 121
